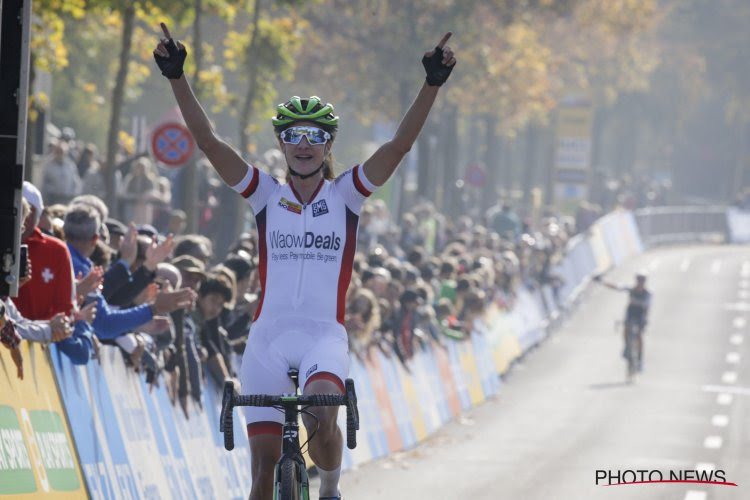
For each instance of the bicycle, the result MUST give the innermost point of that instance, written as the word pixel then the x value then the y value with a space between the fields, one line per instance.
pixel 290 475
pixel 632 348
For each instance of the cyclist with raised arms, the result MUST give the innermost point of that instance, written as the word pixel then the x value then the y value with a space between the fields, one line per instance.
pixel 636 312
pixel 307 238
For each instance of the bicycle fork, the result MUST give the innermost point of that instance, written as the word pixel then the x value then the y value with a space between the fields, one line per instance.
pixel 291 456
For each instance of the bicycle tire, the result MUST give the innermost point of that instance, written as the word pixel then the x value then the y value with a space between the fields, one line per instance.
pixel 289 488
pixel 630 354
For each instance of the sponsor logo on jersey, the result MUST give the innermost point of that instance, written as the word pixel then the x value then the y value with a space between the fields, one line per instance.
pixel 290 206
pixel 308 240
pixel 311 370
pixel 319 208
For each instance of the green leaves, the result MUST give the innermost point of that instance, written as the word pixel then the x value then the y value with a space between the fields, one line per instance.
pixel 520 57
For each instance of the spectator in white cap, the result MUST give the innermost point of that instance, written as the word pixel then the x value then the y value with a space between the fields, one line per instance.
pixel 51 289
pixel 34 197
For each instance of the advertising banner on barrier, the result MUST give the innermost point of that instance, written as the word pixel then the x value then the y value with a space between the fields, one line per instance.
pixel 412 399
pixel 371 438
pixel 530 319
pixel 738 222
pixel 429 393
pixel 620 234
pixel 37 456
pixel 382 400
pixel 134 443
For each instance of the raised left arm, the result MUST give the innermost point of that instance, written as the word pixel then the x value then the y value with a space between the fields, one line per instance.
pixel 438 64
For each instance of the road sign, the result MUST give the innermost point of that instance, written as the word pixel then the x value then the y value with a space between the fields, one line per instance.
pixel 172 144
pixel 476 175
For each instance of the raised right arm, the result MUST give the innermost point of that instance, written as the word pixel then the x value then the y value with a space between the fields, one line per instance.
pixel 225 160
pixel 599 279
pixel 170 57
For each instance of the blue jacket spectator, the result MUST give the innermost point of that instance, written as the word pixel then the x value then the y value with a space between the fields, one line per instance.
pixel 81 229
pixel 110 322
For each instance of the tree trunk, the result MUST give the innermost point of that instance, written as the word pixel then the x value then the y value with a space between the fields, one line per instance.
pixel 738 159
pixel 198 49
pixel 548 155
pixel 508 155
pixel 252 86
pixel 236 206
pixel 404 199
pixel 626 146
pixel 529 172
pixel 118 96
pixel 190 184
pixel 491 162
pixel 597 134
pixel 449 144
pixel 401 203
pixel 424 165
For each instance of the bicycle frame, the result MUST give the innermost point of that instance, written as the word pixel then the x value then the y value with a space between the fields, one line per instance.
pixel 291 453
pixel 291 450
pixel 632 330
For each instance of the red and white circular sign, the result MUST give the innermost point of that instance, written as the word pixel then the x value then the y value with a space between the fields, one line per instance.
pixel 476 175
pixel 172 144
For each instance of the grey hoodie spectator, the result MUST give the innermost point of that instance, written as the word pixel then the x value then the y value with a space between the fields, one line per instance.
pixel 61 180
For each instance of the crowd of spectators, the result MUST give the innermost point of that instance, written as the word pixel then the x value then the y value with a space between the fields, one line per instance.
pixel 625 191
pixel 180 314
pixel 431 278
pixel 73 168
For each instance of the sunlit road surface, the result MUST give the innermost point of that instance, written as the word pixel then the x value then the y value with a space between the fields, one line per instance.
pixel 565 411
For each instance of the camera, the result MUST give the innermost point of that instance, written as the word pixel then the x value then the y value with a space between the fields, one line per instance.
pixel 24 260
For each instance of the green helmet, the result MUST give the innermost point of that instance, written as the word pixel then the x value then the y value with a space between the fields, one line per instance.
pixel 309 110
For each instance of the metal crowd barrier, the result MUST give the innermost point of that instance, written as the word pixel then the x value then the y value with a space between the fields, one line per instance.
pixel 663 225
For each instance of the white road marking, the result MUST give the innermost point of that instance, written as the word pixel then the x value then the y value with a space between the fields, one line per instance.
pixel 733 358
pixel 744 284
pixel 654 264
pixel 713 442
pixel 684 265
pixel 724 399
pixel 737 306
pixel 695 495
pixel 743 294
pixel 720 420
pixel 739 322
pixel 745 271
pixel 736 339
pixel 706 466
pixel 725 389
pixel 716 267
pixel 729 377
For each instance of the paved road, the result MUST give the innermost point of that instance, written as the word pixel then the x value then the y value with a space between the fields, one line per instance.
pixel 565 412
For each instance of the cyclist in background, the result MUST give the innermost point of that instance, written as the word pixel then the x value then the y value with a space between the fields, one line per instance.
pixel 636 312
pixel 306 243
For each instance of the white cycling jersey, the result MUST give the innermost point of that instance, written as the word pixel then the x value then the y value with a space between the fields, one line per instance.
pixel 305 251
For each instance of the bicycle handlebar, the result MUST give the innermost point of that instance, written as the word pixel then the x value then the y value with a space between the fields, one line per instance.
pixel 352 415
pixel 226 422
pixel 231 399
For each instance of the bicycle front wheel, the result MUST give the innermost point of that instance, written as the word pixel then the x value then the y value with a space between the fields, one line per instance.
pixel 289 481
pixel 631 349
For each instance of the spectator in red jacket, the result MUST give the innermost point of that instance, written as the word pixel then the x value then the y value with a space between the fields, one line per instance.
pixel 51 289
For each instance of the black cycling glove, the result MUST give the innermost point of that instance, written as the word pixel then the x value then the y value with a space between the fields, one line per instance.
pixel 171 66
pixel 437 72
